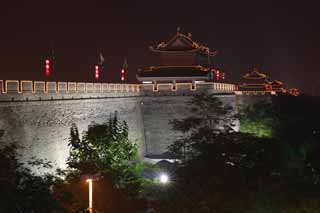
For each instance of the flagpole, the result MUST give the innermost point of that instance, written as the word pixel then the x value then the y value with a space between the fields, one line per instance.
pixel 101 66
pixel 52 56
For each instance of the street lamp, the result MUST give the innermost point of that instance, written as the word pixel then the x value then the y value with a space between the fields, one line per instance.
pixel 163 178
pixel 90 195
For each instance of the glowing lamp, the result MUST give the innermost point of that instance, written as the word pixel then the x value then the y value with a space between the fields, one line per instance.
pixel 96 74
pixel 223 76
pixel 47 67
pixel 90 194
pixel 163 178
pixel 122 74
pixel 218 75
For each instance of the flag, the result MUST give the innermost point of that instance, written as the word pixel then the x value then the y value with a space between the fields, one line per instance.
pixel 52 50
pixel 101 58
pixel 125 65
pixel 124 71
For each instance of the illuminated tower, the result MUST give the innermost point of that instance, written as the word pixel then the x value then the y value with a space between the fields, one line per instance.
pixel 181 59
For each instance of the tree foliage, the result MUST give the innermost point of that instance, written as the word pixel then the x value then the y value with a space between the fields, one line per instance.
pixel 248 171
pixel 105 149
pixel 259 119
pixel 294 121
pixel 21 190
pixel 208 118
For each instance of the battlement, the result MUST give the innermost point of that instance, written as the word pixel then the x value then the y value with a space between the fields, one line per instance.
pixel 38 114
pixel 25 90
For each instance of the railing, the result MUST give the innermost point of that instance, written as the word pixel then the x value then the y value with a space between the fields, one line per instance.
pixel 23 90
pixel 24 86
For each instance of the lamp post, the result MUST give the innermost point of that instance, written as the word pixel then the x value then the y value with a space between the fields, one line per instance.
pixel 90 195
pixel 89 179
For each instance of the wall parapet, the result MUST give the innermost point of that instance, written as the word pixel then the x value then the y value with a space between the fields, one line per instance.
pixel 25 90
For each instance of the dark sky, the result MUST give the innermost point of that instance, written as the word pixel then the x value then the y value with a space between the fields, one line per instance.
pixel 282 36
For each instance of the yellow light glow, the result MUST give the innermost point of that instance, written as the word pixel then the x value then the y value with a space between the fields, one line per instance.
pixel 26 81
pixel 11 81
pixel 2 86
pixel 72 87
pixel 51 83
pixel 59 85
pixel 155 88
pixel 105 87
pixel 193 87
pixel 39 83
pixel 97 87
pixel 90 193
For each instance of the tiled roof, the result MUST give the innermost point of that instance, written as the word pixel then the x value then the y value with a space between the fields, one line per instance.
pixel 254 75
pixel 173 72
pixel 276 83
pixel 181 42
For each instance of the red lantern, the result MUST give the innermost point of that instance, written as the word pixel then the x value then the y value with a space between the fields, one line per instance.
pixel 122 75
pixel 47 67
pixel 96 73
pixel 217 75
pixel 268 87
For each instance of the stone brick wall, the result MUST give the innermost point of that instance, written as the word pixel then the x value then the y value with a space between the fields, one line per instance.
pixel 38 115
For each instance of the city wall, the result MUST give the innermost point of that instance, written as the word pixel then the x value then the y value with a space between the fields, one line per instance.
pixel 38 115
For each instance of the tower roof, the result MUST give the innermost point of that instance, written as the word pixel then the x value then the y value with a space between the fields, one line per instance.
pixel 276 83
pixel 182 43
pixel 178 73
pixel 175 71
pixel 255 74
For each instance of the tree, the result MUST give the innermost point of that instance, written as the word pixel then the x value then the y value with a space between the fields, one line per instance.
pixel 21 190
pixel 259 119
pixel 106 149
pixel 227 171
pixel 208 117
pixel 293 121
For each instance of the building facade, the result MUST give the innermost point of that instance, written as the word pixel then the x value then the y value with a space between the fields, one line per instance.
pixel 181 59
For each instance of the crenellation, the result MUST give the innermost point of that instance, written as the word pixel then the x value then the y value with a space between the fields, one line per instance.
pixel 24 90
pixel 62 87
pixel 97 88
pixel 119 87
pixel 51 87
pixel 89 88
pixel 72 87
pixel 112 88
pixel 127 87
pixel 165 87
pixel 12 86
pixel 39 87
pixel 27 86
pixel 1 87
pixel 105 87
pixel 39 114
pixel 81 87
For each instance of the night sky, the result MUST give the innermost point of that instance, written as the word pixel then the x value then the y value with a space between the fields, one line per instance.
pixel 282 37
